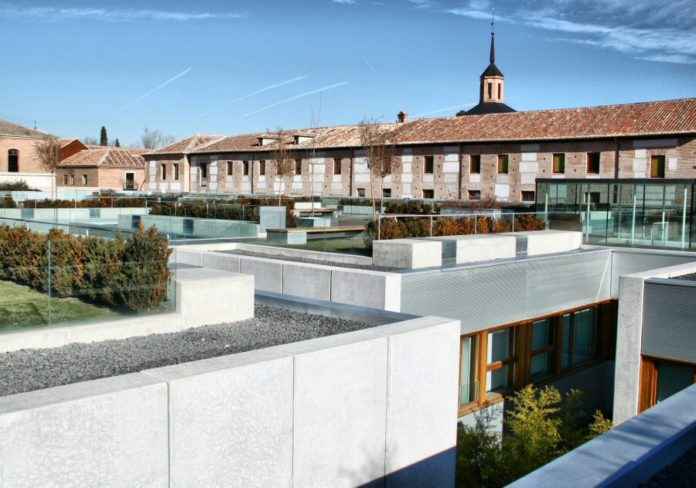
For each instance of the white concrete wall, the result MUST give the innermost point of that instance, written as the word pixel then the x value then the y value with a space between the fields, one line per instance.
pixel 106 433
pixel 350 286
pixel 368 406
pixel 629 337
pixel 407 253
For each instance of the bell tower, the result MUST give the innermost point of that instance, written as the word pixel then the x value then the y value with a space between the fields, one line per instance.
pixel 492 79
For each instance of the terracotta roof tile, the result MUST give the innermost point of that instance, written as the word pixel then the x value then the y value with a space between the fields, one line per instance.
pixel 109 157
pixel 671 117
pixel 187 145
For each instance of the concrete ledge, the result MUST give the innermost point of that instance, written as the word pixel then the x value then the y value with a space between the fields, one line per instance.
pixel 538 242
pixel 477 248
pixel 203 297
pixel 407 253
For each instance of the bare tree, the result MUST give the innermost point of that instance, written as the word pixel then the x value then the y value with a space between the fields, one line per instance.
pixel 284 164
pixel 154 139
pixel 90 141
pixel 375 139
pixel 48 152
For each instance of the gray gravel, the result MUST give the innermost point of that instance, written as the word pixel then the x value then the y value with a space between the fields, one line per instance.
pixel 30 370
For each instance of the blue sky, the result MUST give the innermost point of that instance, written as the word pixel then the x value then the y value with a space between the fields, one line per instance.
pixel 240 66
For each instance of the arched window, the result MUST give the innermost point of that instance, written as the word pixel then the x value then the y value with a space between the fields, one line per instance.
pixel 13 161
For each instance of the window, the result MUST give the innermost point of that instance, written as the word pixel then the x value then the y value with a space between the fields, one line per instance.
pixel 657 167
pixel 593 163
pixel 13 161
pixel 298 166
pixel 230 168
pixel 542 349
pixel 386 193
pixel 467 370
pixel 474 194
pixel 204 171
pixel 262 167
pixel 65 179
pixel 558 163
pixel 428 194
pixel 673 378
pixel 490 90
pixel 475 164
pixel 130 181
pixel 429 165
pixel 595 197
pixel 246 165
pixel 528 196
pixel 72 179
pixel 579 338
pixel 500 358
pixel 84 180
pixel 503 164
pixel 361 192
pixel 163 170
pixel 176 171
pixel 337 166
pixel 500 92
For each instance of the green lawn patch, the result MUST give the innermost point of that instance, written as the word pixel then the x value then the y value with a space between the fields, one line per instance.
pixel 21 306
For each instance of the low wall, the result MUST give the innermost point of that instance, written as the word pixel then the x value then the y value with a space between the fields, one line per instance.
pixel 203 297
pixel 373 406
pixel 70 214
pixel 44 182
pixel 364 288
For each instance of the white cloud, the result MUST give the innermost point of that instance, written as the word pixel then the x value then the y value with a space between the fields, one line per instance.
pixel 109 15
pixel 344 2
pixel 639 28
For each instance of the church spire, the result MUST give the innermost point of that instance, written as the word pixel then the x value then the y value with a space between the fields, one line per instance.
pixel 493 39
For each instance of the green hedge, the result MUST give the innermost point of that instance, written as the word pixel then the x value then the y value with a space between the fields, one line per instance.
pixel 242 209
pixel 124 274
pixel 99 202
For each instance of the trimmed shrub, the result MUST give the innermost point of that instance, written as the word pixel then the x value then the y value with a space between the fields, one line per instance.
pixel 127 274
pixel 16 186
pixel 99 202
pixel 7 202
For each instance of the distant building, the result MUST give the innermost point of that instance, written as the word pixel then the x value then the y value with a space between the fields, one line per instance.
pixel 489 152
pixel 18 158
pixel 107 168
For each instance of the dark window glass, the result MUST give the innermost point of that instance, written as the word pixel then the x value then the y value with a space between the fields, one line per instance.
pixel 298 166
pixel 559 163
pixel 593 163
pixel 475 165
pixel 262 167
pixel 13 161
pixel 474 194
pixel 503 164
pixel 527 196
pixel 429 194
pixel 429 165
pixel 673 378
pixel 337 166
pixel 657 167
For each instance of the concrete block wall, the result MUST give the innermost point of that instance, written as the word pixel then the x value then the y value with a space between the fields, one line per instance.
pixel 373 406
pixel 351 286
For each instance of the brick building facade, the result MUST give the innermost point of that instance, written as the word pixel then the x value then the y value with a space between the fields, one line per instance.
pixel 108 168
pixel 488 152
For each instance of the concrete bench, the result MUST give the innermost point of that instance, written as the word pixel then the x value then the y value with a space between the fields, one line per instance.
pixel 407 253
pixel 477 248
pixel 539 242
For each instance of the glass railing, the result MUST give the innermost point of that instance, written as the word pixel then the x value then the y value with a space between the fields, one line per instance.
pixel 69 281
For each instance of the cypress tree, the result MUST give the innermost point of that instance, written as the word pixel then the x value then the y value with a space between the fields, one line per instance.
pixel 103 138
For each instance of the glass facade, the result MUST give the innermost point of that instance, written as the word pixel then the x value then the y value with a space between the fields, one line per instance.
pixel 635 212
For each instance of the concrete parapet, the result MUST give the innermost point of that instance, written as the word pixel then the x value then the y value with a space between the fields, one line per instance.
pixel 478 247
pixel 407 253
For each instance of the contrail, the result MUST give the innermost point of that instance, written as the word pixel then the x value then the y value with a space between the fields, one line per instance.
pixel 158 87
pixel 446 109
pixel 263 90
pixel 297 97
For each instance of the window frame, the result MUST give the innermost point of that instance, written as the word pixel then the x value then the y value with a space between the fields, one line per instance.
pixel 337 168
pixel 503 164
pixel 262 167
pixel 163 171
pixel 661 161
pixel 177 176
pixel 429 165
pixel 591 162
pixel 558 169
pixel 246 168
pixel 85 180
pixel 429 190
pixel 13 154
pixel 475 164
pixel 528 192
pixel 298 166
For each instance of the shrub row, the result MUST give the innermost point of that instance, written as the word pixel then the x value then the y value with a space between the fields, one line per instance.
pixel 429 207
pixel 242 209
pixel 99 202
pixel 392 228
pixel 127 274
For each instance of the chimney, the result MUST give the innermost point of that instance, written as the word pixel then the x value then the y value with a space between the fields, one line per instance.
pixel 402 117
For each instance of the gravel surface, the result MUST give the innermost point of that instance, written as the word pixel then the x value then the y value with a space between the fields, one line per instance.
pixel 682 473
pixel 30 370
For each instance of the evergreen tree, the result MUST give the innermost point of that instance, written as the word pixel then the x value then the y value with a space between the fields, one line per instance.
pixel 103 138
pixel 117 143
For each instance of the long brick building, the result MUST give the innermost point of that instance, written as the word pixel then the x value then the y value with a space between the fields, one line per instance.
pixel 488 152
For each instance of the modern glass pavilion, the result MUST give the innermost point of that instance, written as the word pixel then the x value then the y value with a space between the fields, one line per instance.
pixel 635 212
